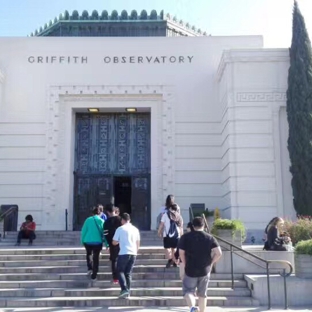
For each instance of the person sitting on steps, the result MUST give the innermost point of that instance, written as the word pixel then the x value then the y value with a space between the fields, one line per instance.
pixel 275 240
pixel 27 231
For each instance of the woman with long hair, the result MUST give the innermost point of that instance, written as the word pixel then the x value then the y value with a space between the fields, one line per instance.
pixel 171 229
pixel 165 208
pixel 274 240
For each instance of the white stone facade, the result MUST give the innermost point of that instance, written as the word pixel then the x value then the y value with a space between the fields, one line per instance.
pixel 218 120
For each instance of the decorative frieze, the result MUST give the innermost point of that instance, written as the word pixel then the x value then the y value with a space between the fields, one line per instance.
pixel 260 97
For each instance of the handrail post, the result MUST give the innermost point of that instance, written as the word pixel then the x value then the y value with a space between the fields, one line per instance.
pixel 232 266
pixel 268 281
pixel 285 289
pixel 66 219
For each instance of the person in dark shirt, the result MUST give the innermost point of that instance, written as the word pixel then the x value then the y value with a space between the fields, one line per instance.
pixel 274 240
pixel 111 224
pixel 198 251
pixel 189 228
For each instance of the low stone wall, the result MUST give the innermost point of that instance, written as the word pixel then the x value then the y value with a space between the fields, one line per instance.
pixel 298 290
pixel 246 267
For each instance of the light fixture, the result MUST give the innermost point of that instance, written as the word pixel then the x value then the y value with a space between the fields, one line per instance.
pixel 131 109
pixel 93 110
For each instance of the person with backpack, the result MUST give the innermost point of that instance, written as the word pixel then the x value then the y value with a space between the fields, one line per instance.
pixel 164 209
pixel 171 229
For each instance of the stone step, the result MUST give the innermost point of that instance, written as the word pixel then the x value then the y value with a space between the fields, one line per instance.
pixel 72 233
pixel 169 275
pixel 64 244
pixel 36 250
pixel 82 262
pixel 114 292
pixel 75 241
pixel 68 257
pixel 71 283
pixel 82 269
pixel 148 301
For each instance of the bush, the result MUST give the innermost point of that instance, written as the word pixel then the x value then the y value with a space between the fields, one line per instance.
pixel 226 224
pixel 299 230
pixel 304 247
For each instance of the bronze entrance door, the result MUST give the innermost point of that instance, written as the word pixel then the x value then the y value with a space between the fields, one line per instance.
pixel 112 161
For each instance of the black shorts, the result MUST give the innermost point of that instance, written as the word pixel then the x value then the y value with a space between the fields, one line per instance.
pixel 170 242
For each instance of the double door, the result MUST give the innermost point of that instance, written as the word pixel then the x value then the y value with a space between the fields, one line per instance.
pixel 130 194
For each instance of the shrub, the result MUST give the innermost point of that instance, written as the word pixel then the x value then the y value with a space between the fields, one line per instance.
pixel 226 224
pixel 299 230
pixel 304 247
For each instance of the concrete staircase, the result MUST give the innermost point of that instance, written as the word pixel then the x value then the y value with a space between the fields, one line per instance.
pixel 54 277
pixel 70 238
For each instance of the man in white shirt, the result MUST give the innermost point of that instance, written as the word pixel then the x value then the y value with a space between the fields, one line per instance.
pixel 128 238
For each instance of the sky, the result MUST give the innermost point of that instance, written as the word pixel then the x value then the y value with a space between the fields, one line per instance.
pixel 270 18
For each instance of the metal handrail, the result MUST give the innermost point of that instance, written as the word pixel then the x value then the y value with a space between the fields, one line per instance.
pixel 6 214
pixel 266 267
pixel 191 212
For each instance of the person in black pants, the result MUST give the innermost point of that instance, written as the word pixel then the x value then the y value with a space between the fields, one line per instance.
pixel 92 239
pixel 275 240
pixel 111 224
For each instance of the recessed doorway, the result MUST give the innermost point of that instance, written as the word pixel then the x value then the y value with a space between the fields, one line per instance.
pixel 112 165
pixel 122 194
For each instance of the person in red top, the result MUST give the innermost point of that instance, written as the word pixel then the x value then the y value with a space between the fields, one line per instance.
pixel 27 230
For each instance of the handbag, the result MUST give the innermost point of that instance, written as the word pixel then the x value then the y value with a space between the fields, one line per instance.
pixel 100 232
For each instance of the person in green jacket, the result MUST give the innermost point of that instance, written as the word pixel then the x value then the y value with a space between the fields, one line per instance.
pixel 92 239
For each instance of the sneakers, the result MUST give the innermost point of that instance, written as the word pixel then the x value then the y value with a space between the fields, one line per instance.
pixel 89 273
pixel 124 294
pixel 115 282
pixel 168 265
pixel 93 277
pixel 194 309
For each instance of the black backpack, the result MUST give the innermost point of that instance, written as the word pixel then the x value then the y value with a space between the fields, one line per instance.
pixel 173 229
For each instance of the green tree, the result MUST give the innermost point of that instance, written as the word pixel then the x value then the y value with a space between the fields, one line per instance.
pixel 299 104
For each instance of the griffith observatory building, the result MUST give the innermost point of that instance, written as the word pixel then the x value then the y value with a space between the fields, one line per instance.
pixel 131 108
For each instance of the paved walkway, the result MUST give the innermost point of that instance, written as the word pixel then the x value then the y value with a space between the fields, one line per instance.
pixel 141 309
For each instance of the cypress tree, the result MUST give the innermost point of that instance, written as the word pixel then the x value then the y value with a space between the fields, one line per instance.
pixel 299 109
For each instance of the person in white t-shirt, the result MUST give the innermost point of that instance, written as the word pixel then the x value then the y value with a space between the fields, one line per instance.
pixel 171 229
pixel 128 238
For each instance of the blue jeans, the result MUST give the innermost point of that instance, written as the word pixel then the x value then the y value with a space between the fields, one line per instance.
pixel 125 265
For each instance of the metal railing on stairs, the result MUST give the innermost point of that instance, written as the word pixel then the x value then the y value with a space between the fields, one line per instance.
pixel 4 216
pixel 266 263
